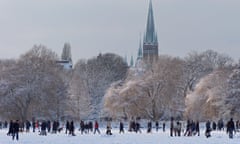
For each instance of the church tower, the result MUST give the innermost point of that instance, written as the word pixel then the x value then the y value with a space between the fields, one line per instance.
pixel 150 41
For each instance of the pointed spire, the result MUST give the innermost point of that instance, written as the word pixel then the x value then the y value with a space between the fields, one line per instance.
pixel 131 62
pixel 140 53
pixel 150 36
pixel 125 59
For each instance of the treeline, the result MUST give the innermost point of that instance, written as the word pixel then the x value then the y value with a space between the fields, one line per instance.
pixel 35 85
pixel 200 86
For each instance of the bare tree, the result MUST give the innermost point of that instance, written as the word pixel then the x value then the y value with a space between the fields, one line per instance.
pixel 198 65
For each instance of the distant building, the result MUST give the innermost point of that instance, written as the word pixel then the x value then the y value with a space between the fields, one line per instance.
pixel 66 59
pixel 65 63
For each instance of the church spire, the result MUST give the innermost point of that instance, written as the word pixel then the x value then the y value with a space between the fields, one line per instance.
pixel 150 36
pixel 125 59
pixel 150 41
pixel 140 54
pixel 131 62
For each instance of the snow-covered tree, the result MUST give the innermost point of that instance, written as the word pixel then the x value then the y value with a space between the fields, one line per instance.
pixel 198 65
pixel 97 74
pixel 152 95
pixel 32 86
pixel 79 93
pixel 208 99
pixel 232 102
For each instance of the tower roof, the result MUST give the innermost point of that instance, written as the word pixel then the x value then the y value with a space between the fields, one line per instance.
pixel 151 35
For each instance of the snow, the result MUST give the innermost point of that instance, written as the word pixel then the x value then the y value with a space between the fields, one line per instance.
pixel 116 138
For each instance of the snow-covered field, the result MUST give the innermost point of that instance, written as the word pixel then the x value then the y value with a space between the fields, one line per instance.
pixel 127 138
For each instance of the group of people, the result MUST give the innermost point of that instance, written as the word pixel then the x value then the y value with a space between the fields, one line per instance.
pixel 176 127
pixel 134 126
pixel 192 128
pixel 13 129
pixel 70 128
pixel 220 126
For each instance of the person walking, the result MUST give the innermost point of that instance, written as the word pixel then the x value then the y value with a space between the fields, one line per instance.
pixel 121 127
pixel 164 125
pixel 178 129
pixel 230 128
pixel 71 128
pixel 48 126
pixel 67 127
pixel 33 125
pixel 43 128
pixel 10 131
pixel 157 125
pixel 28 125
pixel 15 130
pixel 108 131
pixel 96 127
pixel 171 127
pixel 149 127
pixel 197 128
pixel 208 129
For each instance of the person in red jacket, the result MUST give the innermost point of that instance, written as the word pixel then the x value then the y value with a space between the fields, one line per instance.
pixel 96 127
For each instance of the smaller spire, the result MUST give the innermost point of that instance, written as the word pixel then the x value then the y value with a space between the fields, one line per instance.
pixel 131 62
pixel 125 59
pixel 140 53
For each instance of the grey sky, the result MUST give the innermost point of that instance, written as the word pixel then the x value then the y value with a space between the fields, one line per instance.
pixel 93 26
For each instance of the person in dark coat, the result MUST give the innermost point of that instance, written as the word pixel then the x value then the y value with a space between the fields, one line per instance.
pixel 208 129
pixel 54 127
pixel 15 130
pixel 164 125
pixel 71 129
pixel 82 126
pixel 43 128
pixel 230 128
pixel 28 124
pixel 67 127
pixel 157 125
pixel 10 131
pixel 197 128
pixel 121 127
pixel 49 125
pixel 171 127
pixel 149 127
pixel 33 125
pixel 90 124
pixel 214 126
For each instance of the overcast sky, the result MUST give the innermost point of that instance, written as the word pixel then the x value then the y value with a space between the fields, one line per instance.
pixel 93 26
